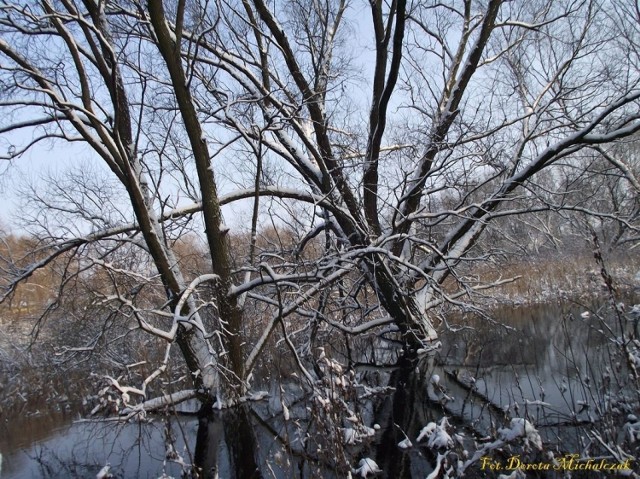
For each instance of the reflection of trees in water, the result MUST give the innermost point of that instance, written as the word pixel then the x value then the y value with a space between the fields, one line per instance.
pixel 312 441
pixel 478 395
pixel 210 434
pixel 233 430
pixel 402 414
pixel 547 375
pixel 241 443
pixel 523 336
pixel 83 449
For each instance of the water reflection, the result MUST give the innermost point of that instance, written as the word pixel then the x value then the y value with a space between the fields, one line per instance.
pixel 549 364
pixel 82 449
pixel 210 435
pixel 402 414
pixel 241 443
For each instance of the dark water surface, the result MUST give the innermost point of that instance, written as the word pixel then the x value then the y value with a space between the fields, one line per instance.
pixel 545 363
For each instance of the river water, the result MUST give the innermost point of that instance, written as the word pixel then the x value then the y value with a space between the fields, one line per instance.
pixel 549 364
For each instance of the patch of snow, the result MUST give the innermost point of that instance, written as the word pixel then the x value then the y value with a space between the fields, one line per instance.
pixel 349 435
pixel 517 474
pixel 355 435
pixel 521 428
pixel 436 435
pixel 537 402
pixel 405 443
pixel 368 431
pixel 427 431
pixel 257 396
pixel 104 472
pixel 367 466
pixel 436 471
pixel 440 439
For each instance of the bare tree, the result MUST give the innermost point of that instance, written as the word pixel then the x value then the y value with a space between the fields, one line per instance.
pixel 398 139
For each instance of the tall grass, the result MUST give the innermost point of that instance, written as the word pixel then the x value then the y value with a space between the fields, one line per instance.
pixel 558 277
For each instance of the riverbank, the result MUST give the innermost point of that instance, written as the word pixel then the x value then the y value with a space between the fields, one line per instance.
pixel 555 279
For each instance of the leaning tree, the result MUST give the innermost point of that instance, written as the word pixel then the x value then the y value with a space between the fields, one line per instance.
pixel 381 137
